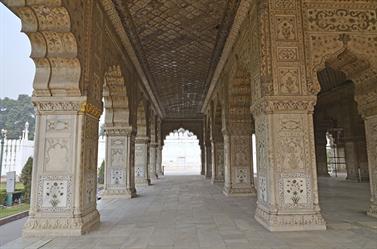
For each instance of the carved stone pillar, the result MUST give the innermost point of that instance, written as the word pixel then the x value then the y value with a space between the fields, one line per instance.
pixel 208 161
pixel 287 178
pixel 371 131
pixel 217 162
pixel 152 160
pixel 203 159
pixel 321 152
pixel 119 167
pixel 159 161
pixel 64 180
pixel 356 159
pixel 141 161
pixel 238 162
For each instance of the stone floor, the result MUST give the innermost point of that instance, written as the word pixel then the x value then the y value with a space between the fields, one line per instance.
pixel 188 212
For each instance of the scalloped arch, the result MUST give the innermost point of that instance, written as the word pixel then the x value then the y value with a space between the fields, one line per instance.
pixel 54 48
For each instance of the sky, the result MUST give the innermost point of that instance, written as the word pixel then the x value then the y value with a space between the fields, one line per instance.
pixel 16 68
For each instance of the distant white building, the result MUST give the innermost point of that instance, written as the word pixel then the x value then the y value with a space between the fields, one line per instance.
pixel 16 152
pixel 181 153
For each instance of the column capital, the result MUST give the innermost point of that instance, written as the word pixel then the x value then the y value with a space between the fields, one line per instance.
pixel 284 104
pixel 120 131
pixel 142 139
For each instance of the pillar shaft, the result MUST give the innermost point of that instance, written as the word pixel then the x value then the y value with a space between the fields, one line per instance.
pixel 119 163
pixel 141 161
pixel 356 159
pixel 152 160
pixel 238 164
pixel 208 162
pixel 217 162
pixel 64 178
pixel 287 179
pixel 371 131
pixel 321 153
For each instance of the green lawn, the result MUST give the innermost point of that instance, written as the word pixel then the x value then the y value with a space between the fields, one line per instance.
pixel 4 212
pixel 19 186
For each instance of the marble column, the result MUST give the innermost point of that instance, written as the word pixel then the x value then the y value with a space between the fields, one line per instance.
pixel 287 175
pixel 356 159
pixel 158 161
pixel 119 164
pixel 64 179
pixel 152 161
pixel 208 161
pixel 238 163
pixel 371 131
pixel 217 162
pixel 321 153
pixel 141 161
pixel 203 159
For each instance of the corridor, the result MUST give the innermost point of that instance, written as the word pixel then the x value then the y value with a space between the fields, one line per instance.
pixel 188 212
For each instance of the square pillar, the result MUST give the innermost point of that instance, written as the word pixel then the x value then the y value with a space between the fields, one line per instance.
pixel 152 160
pixel 217 162
pixel 287 177
pixel 238 162
pixel 141 162
pixel 119 163
pixel 203 160
pixel 159 170
pixel 371 136
pixel 321 153
pixel 208 162
pixel 64 178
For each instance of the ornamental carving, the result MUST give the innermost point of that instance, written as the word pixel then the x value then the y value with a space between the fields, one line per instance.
pixel 286 28
pixel 117 177
pixel 295 191
pixel 241 174
pixel 57 154
pixel 285 4
pixel 54 193
pixel 289 81
pixel 262 189
pixel 342 20
pixel 287 54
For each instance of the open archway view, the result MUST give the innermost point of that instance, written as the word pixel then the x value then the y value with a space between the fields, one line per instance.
pixel 200 124
pixel 181 154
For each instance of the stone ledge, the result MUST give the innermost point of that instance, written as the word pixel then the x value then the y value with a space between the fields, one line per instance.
pixel 13 217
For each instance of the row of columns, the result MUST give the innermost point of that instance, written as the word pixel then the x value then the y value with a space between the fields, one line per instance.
pixel 130 162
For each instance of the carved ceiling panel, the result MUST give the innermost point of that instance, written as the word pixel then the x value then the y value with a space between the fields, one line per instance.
pixel 178 43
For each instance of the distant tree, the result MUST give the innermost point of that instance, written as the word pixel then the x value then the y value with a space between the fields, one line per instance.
pixel 15 113
pixel 25 178
pixel 101 173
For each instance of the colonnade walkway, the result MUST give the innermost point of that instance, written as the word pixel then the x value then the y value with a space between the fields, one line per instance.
pixel 188 212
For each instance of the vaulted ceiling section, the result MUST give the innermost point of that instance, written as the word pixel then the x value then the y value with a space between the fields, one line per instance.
pixel 178 43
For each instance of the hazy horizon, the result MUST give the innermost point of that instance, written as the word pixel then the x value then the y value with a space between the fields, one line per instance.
pixel 16 68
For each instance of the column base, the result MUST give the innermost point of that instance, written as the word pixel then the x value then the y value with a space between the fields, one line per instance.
pixel 142 182
pixel 208 176
pixel 372 211
pixel 290 222
pixel 61 226
pixel 216 180
pixel 240 191
pixel 118 193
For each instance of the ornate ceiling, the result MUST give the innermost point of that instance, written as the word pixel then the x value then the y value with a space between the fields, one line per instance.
pixel 178 43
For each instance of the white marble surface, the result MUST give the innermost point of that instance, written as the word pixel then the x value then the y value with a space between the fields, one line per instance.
pixel 187 212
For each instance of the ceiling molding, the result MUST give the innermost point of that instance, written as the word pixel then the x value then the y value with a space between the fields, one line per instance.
pixel 241 14
pixel 113 15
